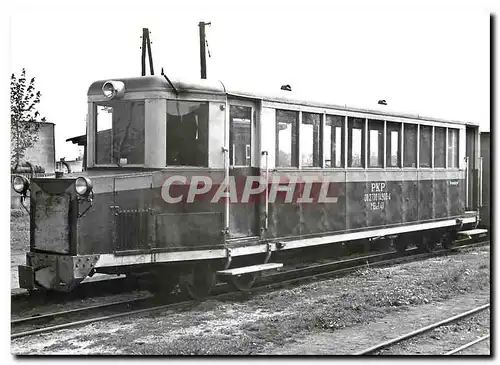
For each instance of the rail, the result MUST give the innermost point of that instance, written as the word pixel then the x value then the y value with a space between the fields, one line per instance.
pixel 428 328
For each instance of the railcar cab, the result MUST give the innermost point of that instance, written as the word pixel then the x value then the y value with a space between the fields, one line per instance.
pixel 143 122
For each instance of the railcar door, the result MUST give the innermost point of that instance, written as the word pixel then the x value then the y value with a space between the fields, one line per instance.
pixel 243 169
pixel 472 173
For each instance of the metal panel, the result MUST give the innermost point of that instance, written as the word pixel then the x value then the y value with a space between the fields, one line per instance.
pixel 112 260
pixel 189 230
pixel 440 198
pixel 217 134
pixel 410 194
pixel 394 210
pixel 356 212
pixel 456 194
pixel 95 228
pixel 268 135
pixel 52 223
pixel 54 208
pixel 155 130
pixel 425 199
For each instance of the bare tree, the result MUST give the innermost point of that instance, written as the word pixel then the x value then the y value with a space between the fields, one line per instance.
pixel 24 116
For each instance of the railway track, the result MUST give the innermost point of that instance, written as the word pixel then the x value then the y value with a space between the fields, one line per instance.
pixel 49 322
pixel 423 330
pixel 467 345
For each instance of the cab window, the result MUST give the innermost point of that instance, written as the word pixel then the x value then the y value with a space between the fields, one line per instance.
pixel 187 133
pixel 120 133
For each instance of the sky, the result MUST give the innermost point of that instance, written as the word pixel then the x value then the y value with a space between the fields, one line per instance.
pixel 424 60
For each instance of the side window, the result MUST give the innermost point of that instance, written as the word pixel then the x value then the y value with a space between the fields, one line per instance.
pixel 375 143
pixel 286 138
pixel 104 137
pixel 393 137
pixel 439 147
pixel 453 148
pixel 425 151
pixel 356 142
pixel 410 145
pixel 309 139
pixel 187 133
pixel 333 137
pixel 240 119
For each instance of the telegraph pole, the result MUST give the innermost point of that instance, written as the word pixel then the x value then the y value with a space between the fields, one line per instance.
pixel 203 59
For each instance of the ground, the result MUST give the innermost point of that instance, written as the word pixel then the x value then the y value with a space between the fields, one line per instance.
pixel 335 316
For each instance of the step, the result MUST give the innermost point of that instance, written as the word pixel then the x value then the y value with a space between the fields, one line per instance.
pixel 470 212
pixel 473 232
pixel 249 269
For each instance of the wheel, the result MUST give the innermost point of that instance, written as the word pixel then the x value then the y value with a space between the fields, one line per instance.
pixel 158 283
pixel 244 282
pixel 400 244
pixel 198 282
pixel 161 285
pixel 425 243
pixel 447 241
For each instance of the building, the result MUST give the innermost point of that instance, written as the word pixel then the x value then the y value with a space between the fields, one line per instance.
pixel 43 151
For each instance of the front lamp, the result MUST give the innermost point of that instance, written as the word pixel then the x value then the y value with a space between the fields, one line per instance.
pixel 113 89
pixel 20 184
pixel 83 186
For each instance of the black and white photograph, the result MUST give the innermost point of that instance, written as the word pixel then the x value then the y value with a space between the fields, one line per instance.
pixel 250 178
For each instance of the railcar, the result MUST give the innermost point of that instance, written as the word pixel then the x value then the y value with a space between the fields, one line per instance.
pixel 188 182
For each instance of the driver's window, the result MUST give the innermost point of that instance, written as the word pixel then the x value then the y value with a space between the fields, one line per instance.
pixel 120 133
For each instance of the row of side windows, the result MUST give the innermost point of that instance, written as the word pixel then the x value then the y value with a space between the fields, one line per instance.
pixel 322 144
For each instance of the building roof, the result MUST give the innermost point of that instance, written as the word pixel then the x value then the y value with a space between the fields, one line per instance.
pixel 79 140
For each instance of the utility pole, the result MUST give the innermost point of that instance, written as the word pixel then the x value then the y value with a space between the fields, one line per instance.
pixel 146 42
pixel 203 41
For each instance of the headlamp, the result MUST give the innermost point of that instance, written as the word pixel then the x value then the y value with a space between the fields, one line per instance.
pixel 113 89
pixel 83 186
pixel 20 184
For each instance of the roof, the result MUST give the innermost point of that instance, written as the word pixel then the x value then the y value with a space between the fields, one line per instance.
pixel 79 140
pixel 159 83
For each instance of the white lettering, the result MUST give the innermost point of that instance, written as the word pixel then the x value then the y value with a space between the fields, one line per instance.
pixel 195 190
pixel 306 193
pixel 323 198
pixel 223 193
pixel 248 190
pixel 165 189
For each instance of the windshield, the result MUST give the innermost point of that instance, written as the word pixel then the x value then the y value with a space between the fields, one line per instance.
pixel 120 133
